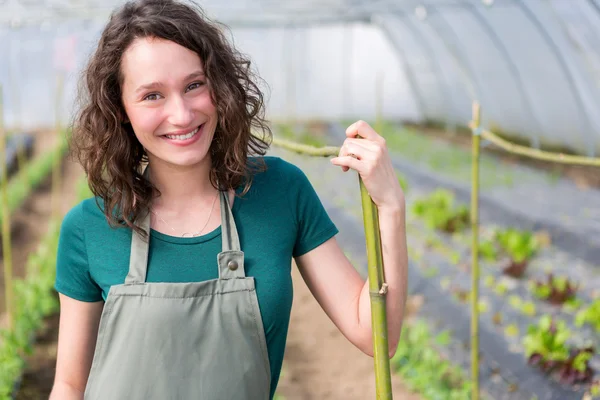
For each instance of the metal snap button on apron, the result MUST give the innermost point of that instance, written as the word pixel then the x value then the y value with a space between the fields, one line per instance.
pixel 137 356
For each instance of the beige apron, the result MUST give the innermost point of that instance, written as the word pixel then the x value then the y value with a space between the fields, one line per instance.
pixel 199 340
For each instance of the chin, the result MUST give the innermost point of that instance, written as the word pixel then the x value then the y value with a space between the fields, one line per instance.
pixel 189 162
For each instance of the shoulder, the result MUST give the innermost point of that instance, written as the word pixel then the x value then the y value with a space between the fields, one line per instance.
pixel 82 214
pixel 280 171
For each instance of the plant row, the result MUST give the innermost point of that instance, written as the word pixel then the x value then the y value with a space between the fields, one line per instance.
pixel 34 300
pixel 21 185
pixel 423 369
pixel 545 343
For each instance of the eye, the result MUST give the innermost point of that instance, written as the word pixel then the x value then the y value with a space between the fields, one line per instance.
pixel 195 85
pixel 152 97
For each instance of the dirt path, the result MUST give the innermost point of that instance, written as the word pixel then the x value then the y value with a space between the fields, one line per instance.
pixel 320 363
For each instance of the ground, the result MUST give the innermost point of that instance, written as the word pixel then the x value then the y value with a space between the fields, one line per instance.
pixel 320 363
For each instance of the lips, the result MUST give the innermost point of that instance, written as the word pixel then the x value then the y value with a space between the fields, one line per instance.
pixel 184 136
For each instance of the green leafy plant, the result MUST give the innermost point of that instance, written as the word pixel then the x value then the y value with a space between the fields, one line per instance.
pixel 589 315
pixel 593 392
pixel 518 247
pixel 526 307
pixel 423 369
pixel 556 289
pixel 440 212
pixel 20 186
pixel 546 346
pixel 488 250
pixel 34 300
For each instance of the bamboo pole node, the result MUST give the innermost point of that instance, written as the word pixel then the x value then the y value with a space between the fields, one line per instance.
pixel 384 288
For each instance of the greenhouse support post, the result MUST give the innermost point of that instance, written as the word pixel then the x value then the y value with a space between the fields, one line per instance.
pixel 476 139
pixel 6 245
pixel 56 162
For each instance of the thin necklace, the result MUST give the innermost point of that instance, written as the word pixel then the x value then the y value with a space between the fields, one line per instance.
pixel 186 233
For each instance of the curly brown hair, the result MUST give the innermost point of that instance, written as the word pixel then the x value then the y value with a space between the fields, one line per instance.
pixel 106 145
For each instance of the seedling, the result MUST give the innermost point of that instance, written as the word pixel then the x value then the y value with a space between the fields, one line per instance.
pixel 517 246
pixel 526 307
pixel 511 330
pixel 488 250
pixel 545 346
pixel 555 290
pixel 440 212
pixel 590 315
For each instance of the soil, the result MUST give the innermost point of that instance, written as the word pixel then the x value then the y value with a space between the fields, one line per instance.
pixel 320 363
pixel 583 176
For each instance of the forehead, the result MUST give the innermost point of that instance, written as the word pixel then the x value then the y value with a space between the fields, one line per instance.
pixel 152 59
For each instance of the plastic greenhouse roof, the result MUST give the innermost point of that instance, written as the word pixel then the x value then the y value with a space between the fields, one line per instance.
pixel 524 60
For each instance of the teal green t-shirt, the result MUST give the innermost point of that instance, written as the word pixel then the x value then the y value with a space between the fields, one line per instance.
pixel 280 217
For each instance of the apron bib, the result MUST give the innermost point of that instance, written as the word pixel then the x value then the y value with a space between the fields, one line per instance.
pixel 198 340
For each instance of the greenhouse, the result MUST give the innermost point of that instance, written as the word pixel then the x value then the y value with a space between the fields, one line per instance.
pixel 487 112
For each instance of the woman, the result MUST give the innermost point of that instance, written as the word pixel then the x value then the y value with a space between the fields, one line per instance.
pixel 174 280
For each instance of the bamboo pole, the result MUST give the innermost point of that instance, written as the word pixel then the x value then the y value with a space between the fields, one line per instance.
pixel 379 102
pixel 6 242
pixel 476 141
pixel 377 292
pixel 538 154
pixel 377 285
pixel 22 161
pixel 56 162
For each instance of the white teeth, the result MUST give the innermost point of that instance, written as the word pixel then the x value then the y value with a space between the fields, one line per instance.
pixel 183 137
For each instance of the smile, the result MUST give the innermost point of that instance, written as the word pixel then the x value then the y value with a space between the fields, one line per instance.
pixel 184 136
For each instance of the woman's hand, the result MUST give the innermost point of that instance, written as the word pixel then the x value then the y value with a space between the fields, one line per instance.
pixel 368 155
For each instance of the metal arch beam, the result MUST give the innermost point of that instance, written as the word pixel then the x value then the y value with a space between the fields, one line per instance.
pixel 379 21
pixel 458 55
pixel 595 5
pixel 443 87
pixel 584 121
pixel 514 70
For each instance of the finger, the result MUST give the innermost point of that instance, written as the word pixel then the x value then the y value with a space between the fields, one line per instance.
pixel 364 130
pixel 346 162
pixel 360 152
pixel 351 150
pixel 366 144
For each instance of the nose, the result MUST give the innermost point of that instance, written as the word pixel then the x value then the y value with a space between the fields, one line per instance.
pixel 179 112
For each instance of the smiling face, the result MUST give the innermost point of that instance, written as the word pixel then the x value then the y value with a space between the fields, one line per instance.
pixel 168 102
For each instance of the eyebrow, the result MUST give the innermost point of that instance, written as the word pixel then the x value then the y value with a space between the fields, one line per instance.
pixel 152 85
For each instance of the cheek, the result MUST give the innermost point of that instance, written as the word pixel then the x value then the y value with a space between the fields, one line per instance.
pixel 205 105
pixel 144 121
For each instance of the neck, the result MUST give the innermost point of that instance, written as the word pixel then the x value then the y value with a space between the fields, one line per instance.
pixel 181 188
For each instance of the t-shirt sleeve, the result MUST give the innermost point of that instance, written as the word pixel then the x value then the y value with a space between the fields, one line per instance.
pixel 73 277
pixel 314 226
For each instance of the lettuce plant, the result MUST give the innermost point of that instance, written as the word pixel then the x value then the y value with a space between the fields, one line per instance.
pixel 440 212
pixel 556 290
pixel 590 315
pixel 546 347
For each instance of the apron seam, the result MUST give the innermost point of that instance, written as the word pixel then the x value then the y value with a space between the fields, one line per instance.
pixel 100 343
pixel 262 345
pixel 180 297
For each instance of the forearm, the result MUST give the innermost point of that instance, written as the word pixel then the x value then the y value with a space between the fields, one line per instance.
pixel 64 391
pixel 393 243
